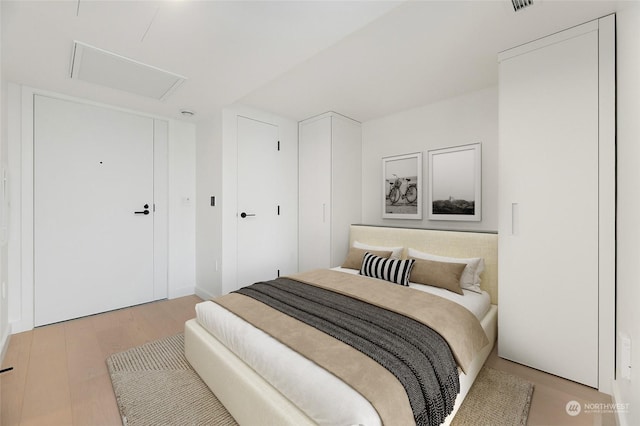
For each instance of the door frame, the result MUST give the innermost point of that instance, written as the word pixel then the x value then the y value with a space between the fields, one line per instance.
pixel 606 190
pixel 241 246
pixel 228 163
pixel 26 264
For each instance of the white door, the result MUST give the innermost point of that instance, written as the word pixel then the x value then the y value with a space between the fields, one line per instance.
pixel 93 209
pixel 549 208
pixel 346 184
pixel 260 187
pixel 315 194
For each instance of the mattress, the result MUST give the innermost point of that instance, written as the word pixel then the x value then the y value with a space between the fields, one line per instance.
pixel 332 401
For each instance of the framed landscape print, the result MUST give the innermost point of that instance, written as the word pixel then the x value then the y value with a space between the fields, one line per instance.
pixel 455 183
pixel 402 186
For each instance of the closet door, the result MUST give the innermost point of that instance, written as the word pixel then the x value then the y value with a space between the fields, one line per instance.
pixel 315 194
pixel 346 188
pixel 330 178
pixel 549 219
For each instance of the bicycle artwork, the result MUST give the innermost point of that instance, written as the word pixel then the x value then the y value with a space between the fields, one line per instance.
pixel 396 193
pixel 402 186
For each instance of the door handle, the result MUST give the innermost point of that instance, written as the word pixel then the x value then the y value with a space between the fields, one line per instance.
pixel 145 211
pixel 243 214
pixel 515 218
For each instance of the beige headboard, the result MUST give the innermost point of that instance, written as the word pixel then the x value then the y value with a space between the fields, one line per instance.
pixel 443 243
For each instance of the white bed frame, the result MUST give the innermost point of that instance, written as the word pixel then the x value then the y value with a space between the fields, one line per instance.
pixel 251 400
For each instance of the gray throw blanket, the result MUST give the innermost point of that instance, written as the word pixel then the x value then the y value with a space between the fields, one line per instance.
pixel 415 354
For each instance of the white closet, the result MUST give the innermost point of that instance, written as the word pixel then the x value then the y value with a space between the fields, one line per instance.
pixel 330 178
pixel 557 205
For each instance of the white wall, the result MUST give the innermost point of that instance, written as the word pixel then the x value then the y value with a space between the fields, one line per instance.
pixel 182 208
pixel 4 308
pixel 628 225
pixel 209 218
pixel 13 100
pixel 181 221
pixel 462 120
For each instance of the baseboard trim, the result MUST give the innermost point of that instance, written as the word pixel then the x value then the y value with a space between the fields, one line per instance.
pixel 6 337
pixel 204 294
pixel 21 325
pixel 181 292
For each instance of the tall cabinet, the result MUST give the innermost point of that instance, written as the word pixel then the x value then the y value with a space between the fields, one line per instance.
pixel 557 203
pixel 330 185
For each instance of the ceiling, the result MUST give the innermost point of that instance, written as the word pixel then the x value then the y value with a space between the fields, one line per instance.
pixel 364 59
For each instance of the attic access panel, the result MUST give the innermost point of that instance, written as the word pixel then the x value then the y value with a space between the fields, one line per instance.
pixel 108 69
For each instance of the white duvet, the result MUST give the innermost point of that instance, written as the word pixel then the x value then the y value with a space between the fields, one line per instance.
pixel 333 402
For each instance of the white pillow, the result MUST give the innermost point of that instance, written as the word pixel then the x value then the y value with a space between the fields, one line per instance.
pixel 396 252
pixel 470 278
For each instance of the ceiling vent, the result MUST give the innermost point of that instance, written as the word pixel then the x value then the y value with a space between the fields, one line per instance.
pixel 518 5
pixel 108 69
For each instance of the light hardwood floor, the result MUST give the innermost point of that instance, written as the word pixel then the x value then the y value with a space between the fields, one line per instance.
pixel 551 395
pixel 60 376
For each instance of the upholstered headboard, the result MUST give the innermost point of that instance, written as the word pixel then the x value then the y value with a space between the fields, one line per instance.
pixel 443 243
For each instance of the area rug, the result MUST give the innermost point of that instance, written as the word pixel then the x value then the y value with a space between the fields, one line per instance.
pixel 155 385
pixel 496 398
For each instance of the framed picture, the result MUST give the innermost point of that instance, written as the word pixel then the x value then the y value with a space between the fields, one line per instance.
pixel 402 186
pixel 455 183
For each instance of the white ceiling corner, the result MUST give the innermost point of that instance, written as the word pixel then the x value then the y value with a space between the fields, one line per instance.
pixel 364 59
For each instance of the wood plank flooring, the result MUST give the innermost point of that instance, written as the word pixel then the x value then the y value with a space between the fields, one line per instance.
pixel 60 376
pixel 551 395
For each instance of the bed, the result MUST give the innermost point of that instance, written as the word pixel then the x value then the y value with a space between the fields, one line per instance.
pixel 261 381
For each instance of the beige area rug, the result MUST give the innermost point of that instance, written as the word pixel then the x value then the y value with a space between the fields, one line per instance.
pixel 495 399
pixel 155 385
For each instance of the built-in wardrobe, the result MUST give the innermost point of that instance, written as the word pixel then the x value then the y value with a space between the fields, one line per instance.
pixel 330 186
pixel 557 203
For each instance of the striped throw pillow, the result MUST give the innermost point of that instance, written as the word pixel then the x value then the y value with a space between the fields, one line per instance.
pixel 394 270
